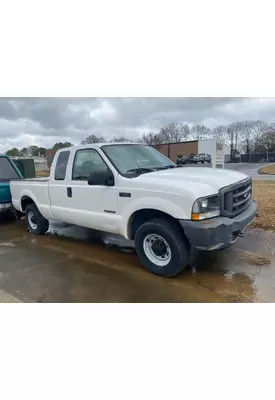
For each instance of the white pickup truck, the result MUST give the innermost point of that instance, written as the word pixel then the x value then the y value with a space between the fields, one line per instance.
pixel 135 191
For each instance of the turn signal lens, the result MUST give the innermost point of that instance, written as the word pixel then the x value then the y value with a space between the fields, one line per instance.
pixel 195 217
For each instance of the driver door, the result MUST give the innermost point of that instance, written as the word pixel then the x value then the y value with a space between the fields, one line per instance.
pixel 91 206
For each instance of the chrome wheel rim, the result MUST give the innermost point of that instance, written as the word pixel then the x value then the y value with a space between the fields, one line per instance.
pixel 157 250
pixel 32 220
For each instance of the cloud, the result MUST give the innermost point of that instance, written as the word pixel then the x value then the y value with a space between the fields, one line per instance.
pixel 44 121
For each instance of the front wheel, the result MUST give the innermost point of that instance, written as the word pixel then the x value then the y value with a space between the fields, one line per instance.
pixel 37 224
pixel 162 247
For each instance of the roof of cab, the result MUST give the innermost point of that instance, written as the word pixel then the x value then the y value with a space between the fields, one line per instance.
pixel 91 145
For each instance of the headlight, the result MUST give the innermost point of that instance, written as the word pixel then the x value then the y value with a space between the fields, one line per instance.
pixel 206 207
pixel 5 206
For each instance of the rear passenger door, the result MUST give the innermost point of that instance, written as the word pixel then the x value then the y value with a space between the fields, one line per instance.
pixel 58 187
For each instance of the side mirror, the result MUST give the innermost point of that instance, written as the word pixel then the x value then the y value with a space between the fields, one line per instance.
pixel 101 178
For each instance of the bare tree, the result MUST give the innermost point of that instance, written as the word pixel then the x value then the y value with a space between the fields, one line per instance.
pixel 248 134
pixel 60 145
pixel 220 132
pixel 237 129
pixel 200 132
pixel 259 128
pixel 174 133
pixel 93 139
pixel 186 132
pixel 268 140
pixel 120 139
pixel 245 136
pixel 152 138
pixel 230 139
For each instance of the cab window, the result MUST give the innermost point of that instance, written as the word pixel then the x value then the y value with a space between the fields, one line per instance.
pixel 61 166
pixel 85 162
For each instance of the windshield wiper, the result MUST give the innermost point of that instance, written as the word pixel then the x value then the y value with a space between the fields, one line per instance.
pixel 146 170
pixel 165 167
pixel 140 170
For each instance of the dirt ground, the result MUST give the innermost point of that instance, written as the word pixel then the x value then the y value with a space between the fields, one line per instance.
pixel 41 174
pixel 264 194
pixel 268 169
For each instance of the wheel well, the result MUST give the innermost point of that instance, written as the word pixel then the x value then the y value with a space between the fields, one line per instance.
pixel 142 216
pixel 26 201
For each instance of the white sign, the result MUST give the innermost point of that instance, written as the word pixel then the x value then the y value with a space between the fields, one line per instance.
pixel 218 153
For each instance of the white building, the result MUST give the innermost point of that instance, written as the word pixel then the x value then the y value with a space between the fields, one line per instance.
pixel 208 146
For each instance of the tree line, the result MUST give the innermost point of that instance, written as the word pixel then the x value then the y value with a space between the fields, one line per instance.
pixel 35 151
pixel 242 136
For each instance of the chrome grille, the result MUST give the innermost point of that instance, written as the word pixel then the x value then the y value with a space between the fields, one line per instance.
pixel 236 198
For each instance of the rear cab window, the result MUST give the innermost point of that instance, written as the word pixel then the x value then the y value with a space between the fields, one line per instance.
pixel 7 170
pixel 61 165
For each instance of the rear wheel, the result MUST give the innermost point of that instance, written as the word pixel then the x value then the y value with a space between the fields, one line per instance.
pixel 162 247
pixel 37 224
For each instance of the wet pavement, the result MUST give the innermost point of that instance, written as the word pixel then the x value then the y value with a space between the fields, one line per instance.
pixel 73 264
pixel 250 169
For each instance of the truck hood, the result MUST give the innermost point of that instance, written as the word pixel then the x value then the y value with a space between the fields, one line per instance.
pixel 200 179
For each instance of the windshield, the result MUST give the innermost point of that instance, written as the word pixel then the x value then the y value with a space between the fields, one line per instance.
pixel 127 158
pixel 7 172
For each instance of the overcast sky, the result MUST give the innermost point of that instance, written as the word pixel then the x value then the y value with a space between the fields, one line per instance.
pixel 45 121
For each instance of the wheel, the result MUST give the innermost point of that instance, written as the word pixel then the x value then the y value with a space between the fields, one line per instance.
pixel 37 224
pixel 162 247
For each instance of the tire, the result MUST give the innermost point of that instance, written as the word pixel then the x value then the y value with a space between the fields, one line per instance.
pixel 162 232
pixel 37 224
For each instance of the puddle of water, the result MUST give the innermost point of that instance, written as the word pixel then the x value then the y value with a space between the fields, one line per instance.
pixel 6 297
pixel 243 273
pixel 8 244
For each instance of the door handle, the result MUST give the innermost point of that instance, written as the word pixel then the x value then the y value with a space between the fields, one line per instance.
pixel 69 192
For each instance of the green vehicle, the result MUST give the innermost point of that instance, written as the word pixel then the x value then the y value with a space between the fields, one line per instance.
pixel 8 171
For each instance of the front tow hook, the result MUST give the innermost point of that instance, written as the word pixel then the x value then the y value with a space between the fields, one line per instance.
pixel 240 234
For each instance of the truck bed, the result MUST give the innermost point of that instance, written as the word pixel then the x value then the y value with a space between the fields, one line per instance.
pixel 36 189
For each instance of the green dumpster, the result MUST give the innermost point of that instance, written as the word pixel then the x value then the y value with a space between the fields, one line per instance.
pixel 26 167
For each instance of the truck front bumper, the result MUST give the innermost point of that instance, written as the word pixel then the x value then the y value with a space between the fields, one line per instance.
pixel 5 207
pixel 220 232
